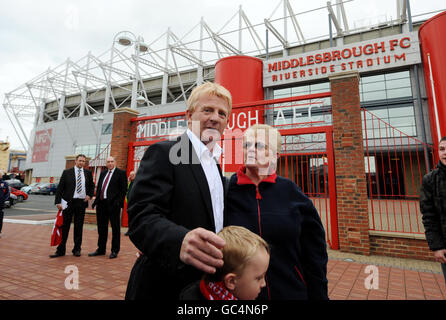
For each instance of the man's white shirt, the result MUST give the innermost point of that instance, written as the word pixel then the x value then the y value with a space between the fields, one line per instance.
pixel 209 165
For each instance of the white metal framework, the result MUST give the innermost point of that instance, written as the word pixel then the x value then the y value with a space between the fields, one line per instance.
pixel 134 72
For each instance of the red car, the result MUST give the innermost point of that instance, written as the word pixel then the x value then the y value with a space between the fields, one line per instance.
pixel 20 194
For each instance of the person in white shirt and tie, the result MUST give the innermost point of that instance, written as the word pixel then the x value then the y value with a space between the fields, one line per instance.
pixel 110 195
pixel 76 187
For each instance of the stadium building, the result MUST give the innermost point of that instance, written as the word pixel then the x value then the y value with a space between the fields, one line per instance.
pixel 360 110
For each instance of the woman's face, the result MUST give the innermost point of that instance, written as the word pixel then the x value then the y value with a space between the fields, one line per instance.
pixel 258 153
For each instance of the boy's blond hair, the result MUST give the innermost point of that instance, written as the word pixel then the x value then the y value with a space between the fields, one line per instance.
pixel 241 245
pixel 212 89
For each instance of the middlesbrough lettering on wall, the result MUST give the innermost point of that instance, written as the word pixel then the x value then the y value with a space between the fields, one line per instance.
pixel 376 54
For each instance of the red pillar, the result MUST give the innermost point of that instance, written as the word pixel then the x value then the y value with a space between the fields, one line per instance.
pixel 121 137
pixel 433 47
pixel 243 77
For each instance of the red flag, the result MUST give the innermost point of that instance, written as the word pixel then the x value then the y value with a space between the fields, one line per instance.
pixel 56 235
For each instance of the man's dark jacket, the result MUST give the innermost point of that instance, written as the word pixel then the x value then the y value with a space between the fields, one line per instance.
pixel 67 184
pixel 433 207
pixel 117 188
pixel 287 220
pixel 170 197
pixel 4 192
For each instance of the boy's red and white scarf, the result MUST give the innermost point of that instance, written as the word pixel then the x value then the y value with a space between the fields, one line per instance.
pixel 215 291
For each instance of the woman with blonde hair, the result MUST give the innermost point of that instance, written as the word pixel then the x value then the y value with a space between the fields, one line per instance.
pixel 277 210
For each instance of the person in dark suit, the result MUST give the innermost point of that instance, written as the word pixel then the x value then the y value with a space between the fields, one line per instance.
pixel 76 187
pixel 130 180
pixel 175 207
pixel 4 195
pixel 110 195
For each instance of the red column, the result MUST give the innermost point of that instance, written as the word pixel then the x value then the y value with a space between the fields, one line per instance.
pixel 433 48
pixel 122 135
pixel 243 77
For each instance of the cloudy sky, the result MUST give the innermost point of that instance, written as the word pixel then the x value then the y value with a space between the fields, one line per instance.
pixel 37 35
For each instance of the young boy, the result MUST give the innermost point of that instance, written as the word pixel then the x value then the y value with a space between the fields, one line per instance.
pixel 246 259
pixel 433 207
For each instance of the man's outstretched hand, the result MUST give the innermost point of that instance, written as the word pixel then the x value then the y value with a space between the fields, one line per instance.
pixel 201 249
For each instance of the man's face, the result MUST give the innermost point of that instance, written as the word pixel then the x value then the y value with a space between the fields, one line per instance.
pixel 442 152
pixel 252 279
pixel 80 162
pixel 209 119
pixel 110 163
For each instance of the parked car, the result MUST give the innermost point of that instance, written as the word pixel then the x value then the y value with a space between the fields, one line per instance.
pixel 16 184
pixel 12 200
pixel 28 189
pixel 20 194
pixel 45 188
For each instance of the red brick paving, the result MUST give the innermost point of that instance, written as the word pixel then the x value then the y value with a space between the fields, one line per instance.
pixel 27 273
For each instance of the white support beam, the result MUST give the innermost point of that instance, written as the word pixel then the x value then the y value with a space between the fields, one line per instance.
pixel 341 8
pixel 41 113
pixel 88 76
pixel 253 32
pixel 61 104
pixel 334 19
pixel 62 84
pixel 300 35
pixel 220 40
pixel 401 9
pixel 45 88
pixel 149 63
pixel 123 73
pixel 276 33
pixel 186 55
pixel 22 96
pixel 19 124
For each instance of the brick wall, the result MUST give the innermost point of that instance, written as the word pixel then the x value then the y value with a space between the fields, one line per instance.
pixel 90 217
pixel 351 190
pixel 122 135
pixel 400 247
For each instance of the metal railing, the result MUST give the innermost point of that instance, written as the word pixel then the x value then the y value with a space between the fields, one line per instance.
pixel 395 164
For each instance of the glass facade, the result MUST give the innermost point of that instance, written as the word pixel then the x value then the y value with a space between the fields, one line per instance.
pixel 107 128
pixel 90 150
pixel 387 96
pixel 304 112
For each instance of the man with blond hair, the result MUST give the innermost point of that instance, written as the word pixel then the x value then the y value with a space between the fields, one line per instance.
pixel 175 208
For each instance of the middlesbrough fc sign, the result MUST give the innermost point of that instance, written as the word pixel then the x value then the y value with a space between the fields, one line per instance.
pixel 371 55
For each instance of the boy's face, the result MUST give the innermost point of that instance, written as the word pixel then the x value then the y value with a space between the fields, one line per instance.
pixel 442 152
pixel 252 279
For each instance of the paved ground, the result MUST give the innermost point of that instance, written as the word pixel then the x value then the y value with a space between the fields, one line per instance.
pixel 27 273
